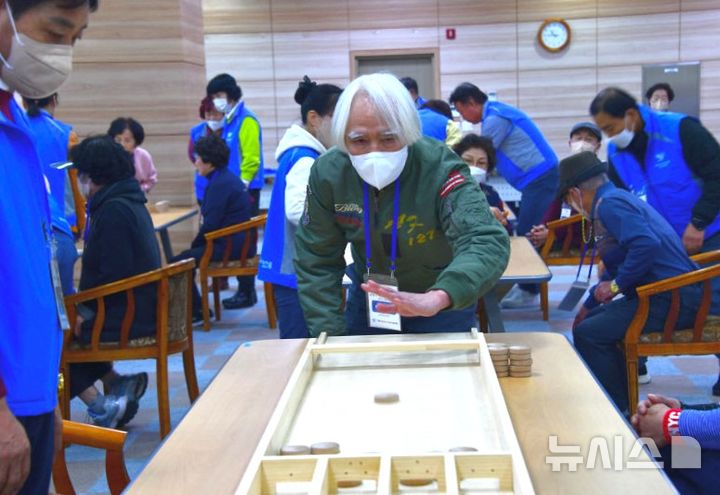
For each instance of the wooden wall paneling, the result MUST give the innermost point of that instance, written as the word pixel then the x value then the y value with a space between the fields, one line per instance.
pixel 690 5
pixel 710 85
pixel 248 57
pixel 175 172
pixel 581 52
pixel 323 54
pixel 309 15
pixel 271 138
pixel 646 39
pixel 557 131
pixel 394 39
pixel 288 112
pixel 700 35
pixel 159 95
pixel 534 10
pixel 610 8
pixel 461 12
pixel 556 92
pixel 627 77
pixel 503 83
pixel 234 16
pixel 489 47
pixel 711 120
pixel 378 14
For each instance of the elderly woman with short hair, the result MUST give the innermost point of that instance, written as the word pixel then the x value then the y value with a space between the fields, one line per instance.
pixel 414 217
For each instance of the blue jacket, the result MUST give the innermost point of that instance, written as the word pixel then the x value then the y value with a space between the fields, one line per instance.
pixel 52 137
pixel 433 124
pixel 523 153
pixel 30 334
pixel 636 244
pixel 231 134
pixel 197 132
pixel 276 260
pixel 665 178
pixel 226 203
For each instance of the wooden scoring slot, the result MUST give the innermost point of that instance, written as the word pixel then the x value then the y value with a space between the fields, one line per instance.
pixel 478 474
pixel 285 476
pixel 413 474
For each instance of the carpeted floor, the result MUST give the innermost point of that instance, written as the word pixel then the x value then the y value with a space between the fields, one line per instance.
pixel 688 378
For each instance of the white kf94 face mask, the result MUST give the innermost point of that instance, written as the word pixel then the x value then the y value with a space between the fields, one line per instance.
pixel 380 168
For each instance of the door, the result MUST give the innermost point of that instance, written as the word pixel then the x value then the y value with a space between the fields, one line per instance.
pixel 683 78
pixel 421 66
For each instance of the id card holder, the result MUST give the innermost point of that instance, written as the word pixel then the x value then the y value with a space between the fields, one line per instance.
pixel 387 321
pixel 57 287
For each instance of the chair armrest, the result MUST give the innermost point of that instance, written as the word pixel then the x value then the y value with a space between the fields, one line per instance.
pixel 93 436
pixel 709 257
pixel 254 222
pixel 564 222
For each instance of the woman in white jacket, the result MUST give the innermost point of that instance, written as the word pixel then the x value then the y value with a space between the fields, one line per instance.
pixel 296 153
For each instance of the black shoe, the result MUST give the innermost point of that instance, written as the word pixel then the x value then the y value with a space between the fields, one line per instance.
pixel 716 388
pixel 197 318
pixel 240 300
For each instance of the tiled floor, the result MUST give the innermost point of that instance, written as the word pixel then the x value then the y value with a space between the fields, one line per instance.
pixel 688 378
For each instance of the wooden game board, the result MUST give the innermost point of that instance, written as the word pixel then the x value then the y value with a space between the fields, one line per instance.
pixel 449 398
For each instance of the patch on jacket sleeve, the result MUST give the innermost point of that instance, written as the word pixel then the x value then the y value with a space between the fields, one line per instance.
pixel 454 179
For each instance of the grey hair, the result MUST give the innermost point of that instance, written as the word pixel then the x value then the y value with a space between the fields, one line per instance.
pixel 392 101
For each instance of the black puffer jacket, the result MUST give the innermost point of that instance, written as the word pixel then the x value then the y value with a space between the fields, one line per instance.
pixel 120 243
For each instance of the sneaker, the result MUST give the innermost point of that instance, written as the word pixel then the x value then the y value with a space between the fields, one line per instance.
pixel 643 376
pixel 107 411
pixel 131 386
pixel 518 298
pixel 197 318
pixel 241 300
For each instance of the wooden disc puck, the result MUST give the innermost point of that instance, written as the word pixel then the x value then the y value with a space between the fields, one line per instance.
pixel 349 483
pixel 417 481
pixel 502 374
pixel 325 448
pixel 294 450
pixel 502 369
pixel 519 374
pixel 520 369
pixel 520 349
pixel 463 449
pixel 521 362
pixel 386 397
pixel 497 345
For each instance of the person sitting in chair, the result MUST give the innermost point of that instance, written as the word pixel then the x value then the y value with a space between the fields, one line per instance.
pixel 119 243
pixel 226 202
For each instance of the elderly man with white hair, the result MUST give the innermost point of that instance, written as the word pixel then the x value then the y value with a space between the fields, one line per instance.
pixel 422 237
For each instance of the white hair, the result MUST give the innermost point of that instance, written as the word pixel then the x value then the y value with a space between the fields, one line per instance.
pixel 389 97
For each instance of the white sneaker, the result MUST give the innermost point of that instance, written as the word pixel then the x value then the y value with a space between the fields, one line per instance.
pixel 518 298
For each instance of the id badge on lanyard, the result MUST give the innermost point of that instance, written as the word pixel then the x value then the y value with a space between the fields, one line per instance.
pixel 376 319
pixel 56 282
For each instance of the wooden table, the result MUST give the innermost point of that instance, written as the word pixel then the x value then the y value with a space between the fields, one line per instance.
pixel 524 267
pixel 162 221
pixel 210 448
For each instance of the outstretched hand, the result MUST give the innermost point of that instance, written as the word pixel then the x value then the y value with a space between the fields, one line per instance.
pixel 408 303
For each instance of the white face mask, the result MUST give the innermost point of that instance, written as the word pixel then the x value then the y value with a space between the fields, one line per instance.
pixel 214 125
pixel 623 139
pixel 479 174
pixel 580 146
pixel 34 69
pixel 221 104
pixel 380 168
pixel 660 105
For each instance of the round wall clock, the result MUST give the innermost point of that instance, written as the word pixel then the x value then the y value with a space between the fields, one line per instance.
pixel 554 35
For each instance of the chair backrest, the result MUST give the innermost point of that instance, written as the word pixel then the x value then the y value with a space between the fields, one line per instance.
pixel 171 300
pixel 78 199
pixel 226 234
pixel 112 441
pixel 564 255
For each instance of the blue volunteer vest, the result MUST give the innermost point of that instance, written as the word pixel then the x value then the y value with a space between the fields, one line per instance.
pixel 231 134
pixel 273 252
pixel 30 333
pixel 515 175
pixel 433 124
pixel 201 182
pixel 52 137
pixel 667 179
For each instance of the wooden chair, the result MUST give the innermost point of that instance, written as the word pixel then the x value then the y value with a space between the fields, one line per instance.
pixel 554 253
pixel 79 201
pixel 112 441
pixel 173 331
pixel 703 338
pixel 228 267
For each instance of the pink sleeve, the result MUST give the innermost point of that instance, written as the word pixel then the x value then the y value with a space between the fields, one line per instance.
pixel 145 171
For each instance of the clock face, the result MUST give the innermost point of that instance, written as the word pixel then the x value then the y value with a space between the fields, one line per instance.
pixel 554 35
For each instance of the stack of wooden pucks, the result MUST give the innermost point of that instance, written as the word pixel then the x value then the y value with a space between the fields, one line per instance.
pixel 500 354
pixel 520 361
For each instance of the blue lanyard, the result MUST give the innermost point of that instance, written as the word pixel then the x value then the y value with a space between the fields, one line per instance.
pixel 396 216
